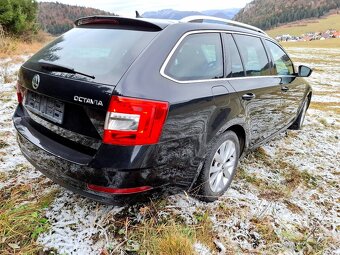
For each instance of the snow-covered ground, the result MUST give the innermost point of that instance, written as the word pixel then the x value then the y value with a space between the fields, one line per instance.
pixel 268 209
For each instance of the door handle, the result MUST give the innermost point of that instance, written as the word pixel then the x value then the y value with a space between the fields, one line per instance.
pixel 248 96
pixel 284 88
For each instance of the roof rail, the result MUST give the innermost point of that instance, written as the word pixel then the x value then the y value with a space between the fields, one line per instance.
pixel 201 18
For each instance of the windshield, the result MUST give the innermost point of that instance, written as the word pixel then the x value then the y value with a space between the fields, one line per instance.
pixel 105 53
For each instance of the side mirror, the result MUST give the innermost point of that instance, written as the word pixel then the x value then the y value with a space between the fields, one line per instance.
pixel 304 71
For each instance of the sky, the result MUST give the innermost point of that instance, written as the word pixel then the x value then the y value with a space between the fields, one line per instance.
pixel 128 7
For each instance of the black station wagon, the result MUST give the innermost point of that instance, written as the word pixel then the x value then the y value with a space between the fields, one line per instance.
pixel 120 106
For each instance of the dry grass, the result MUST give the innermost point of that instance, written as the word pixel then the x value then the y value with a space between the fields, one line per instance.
pixel 5 74
pixel 327 93
pixel 174 242
pixel 264 227
pixel 3 144
pixel 10 46
pixel 326 106
pixel 165 239
pixel 204 229
pixel 173 237
pixel 323 121
pixel 22 219
pixel 306 241
pixel 5 97
pixel 156 234
pixel 325 61
pixel 3 176
pixel 273 189
pixel 241 173
pixel 292 207
pixel 267 190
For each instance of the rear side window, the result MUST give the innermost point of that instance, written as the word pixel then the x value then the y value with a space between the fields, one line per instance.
pixel 282 62
pixel 103 52
pixel 199 56
pixel 253 54
pixel 234 57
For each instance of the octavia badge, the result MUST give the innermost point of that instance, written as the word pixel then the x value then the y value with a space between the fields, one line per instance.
pixel 35 81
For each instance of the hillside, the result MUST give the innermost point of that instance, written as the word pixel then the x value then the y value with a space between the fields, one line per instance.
pixel 174 14
pixel 268 13
pixel 304 26
pixel 56 18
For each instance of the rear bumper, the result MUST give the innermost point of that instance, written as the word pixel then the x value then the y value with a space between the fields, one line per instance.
pixel 162 166
pixel 58 170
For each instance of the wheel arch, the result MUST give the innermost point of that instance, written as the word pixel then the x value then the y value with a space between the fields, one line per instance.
pixel 238 126
pixel 241 134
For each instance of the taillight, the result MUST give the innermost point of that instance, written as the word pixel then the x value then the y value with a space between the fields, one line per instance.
pixel 131 121
pixel 19 93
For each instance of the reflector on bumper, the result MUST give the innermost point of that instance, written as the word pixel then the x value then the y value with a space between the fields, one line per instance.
pixel 118 191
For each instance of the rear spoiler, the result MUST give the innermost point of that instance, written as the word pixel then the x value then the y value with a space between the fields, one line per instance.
pixel 115 20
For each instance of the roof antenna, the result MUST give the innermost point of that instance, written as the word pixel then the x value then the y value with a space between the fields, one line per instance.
pixel 138 15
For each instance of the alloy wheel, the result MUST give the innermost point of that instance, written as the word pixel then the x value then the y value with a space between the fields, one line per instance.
pixel 222 166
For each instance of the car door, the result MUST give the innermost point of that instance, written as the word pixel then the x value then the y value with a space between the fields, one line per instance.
pixel 293 88
pixel 259 91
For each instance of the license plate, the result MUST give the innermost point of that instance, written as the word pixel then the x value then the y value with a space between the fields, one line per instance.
pixel 46 107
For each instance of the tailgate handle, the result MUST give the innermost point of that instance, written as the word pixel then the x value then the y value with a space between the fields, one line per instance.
pixel 248 96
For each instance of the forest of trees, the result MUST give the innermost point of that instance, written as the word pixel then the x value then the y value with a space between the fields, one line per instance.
pixel 56 18
pixel 268 13
pixel 18 17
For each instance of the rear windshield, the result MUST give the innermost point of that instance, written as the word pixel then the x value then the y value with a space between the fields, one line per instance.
pixel 105 53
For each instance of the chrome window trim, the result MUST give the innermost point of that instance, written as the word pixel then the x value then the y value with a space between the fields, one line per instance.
pixel 164 65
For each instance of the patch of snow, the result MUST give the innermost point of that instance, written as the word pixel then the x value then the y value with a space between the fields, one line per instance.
pixel 201 249
pixel 75 221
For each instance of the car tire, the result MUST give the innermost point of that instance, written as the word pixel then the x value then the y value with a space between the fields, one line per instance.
pixel 297 125
pixel 219 167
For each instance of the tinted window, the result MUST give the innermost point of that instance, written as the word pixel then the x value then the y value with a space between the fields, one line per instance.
pixel 105 53
pixel 234 57
pixel 253 55
pixel 199 56
pixel 282 62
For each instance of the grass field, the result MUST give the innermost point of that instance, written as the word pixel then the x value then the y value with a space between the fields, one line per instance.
pixel 301 27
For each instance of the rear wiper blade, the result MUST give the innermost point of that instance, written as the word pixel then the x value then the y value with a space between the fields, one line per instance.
pixel 64 69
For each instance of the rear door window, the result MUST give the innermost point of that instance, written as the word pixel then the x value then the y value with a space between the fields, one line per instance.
pixel 199 56
pixel 103 52
pixel 253 54
pixel 282 62
pixel 233 57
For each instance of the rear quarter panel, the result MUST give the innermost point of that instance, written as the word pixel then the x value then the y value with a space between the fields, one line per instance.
pixel 195 116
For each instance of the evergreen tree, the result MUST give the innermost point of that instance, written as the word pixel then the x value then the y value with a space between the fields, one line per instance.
pixel 18 16
pixel 6 12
